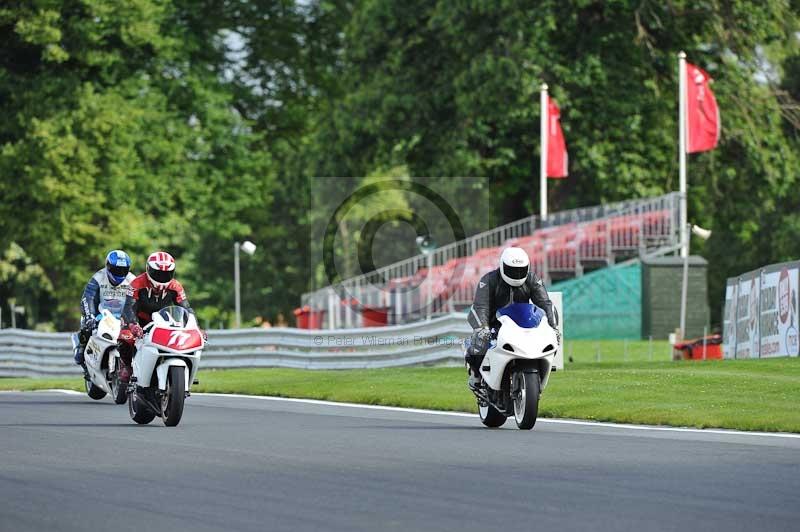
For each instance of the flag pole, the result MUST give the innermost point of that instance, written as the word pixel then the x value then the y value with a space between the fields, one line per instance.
pixel 682 152
pixel 543 152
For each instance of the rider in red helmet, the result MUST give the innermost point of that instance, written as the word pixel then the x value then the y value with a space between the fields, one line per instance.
pixel 157 288
pixel 152 291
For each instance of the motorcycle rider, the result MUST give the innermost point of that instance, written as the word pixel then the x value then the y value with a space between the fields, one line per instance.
pixel 109 289
pixel 151 291
pixel 512 282
pixel 157 288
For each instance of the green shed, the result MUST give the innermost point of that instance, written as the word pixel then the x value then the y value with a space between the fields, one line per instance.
pixel 662 278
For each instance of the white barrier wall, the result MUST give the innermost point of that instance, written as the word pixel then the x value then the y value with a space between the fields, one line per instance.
pixel 438 341
pixel 760 319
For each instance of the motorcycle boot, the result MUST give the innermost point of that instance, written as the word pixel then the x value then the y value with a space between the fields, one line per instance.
pixel 474 380
pixel 83 338
pixel 125 362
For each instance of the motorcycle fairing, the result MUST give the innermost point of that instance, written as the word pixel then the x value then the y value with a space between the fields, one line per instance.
pixel 102 344
pixel 515 342
pixel 177 340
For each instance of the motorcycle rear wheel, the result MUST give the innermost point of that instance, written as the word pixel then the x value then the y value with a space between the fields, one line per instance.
pixel 526 402
pixel 173 398
pixel 139 412
pixel 490 416
pixel 93 391
pixel 119 390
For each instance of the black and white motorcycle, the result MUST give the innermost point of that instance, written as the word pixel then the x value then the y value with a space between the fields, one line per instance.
pixel 102 360
pixel 516 367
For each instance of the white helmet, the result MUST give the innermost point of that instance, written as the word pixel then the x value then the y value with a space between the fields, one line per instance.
pixel 514 266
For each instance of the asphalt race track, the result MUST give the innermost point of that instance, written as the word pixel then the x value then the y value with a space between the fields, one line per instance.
pixel 70 463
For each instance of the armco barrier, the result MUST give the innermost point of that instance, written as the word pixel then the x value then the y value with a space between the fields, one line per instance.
pixel 439 341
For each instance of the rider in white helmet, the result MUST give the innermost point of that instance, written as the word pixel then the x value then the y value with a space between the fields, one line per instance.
pixel 512 282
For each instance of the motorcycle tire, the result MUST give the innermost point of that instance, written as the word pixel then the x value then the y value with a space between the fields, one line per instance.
pixel 174 395
pixel 490 416
pixel 93 391
pixel 119 390
pixel 139 412
pixel 526 404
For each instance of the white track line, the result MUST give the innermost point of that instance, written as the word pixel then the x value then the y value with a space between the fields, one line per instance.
pixel 540 420
pixel 59 390
pixel 555 421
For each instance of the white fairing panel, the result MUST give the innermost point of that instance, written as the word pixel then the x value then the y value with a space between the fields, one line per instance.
pixel 100 346
pixel 515 342
pixel 163 369
pixel 144 363
pixel 153 358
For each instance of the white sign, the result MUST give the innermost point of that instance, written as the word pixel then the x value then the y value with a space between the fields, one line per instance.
pixel 778 323
pixel 729 320
pixel 761 313
pixel 747 344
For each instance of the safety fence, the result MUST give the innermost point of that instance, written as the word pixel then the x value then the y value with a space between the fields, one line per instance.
pixel 444 281
pixel 760 319
pixel 438 341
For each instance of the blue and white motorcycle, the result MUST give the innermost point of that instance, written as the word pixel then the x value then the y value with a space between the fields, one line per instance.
pixel 516 367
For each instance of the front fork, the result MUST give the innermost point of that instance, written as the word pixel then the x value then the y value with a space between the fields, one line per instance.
pixel 149 396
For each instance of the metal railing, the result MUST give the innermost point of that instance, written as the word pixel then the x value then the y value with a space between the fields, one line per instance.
pixel 587 236
pixel 439 341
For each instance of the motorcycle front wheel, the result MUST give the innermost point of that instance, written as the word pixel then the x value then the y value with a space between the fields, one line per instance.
pixel 172 400
pixel 526 399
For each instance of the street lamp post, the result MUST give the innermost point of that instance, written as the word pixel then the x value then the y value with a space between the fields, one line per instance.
pixel 249 248
pixel 427 245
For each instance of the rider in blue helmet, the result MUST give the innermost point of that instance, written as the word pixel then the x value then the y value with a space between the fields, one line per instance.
pixel 108 289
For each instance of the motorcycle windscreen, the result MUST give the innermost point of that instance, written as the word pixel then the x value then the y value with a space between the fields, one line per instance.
pixel 525 315
pixel 112 305
pixel 175 314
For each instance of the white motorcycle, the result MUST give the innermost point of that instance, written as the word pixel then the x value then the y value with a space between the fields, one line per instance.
pixel 517 367
pixel 102 359
pixel 166 363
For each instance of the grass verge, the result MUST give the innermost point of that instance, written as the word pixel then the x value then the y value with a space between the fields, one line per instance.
pixel 735 394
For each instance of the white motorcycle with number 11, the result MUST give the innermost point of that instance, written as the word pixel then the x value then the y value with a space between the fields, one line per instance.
pixel 166 363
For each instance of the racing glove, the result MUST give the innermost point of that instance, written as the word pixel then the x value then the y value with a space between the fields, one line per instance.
pixel 136 330
pixel 89 323
pixel 479 343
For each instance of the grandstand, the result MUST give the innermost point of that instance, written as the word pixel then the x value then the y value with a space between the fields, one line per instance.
pixel 565 246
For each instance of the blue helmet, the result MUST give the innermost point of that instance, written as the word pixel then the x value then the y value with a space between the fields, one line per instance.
pixel 118 264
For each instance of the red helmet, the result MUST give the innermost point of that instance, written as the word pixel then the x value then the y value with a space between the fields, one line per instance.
pixel 160 269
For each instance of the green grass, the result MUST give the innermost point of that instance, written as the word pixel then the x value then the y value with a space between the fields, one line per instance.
pixel 617 350
pixel 736 394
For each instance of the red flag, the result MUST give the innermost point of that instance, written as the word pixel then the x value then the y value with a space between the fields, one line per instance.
pixel 702 113
pixel 556 147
